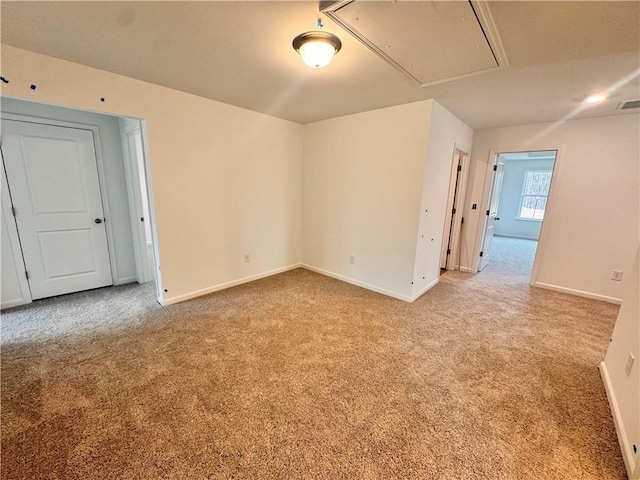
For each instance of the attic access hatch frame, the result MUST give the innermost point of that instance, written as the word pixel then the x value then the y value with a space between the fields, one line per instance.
pixel 481 14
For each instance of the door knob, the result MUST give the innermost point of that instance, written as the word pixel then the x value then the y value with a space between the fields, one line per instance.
pixel 497 218
pixel 98 220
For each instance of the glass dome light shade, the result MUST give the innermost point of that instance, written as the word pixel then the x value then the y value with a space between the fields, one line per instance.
pixel 317 54
pixel 317 48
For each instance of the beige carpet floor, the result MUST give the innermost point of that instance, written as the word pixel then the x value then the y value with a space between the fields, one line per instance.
pixel 302 376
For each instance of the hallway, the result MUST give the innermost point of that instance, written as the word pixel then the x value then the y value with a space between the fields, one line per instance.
pixel 511 260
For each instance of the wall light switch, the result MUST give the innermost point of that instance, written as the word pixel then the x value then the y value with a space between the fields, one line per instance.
pixel 616 275
pixel 352 259
pixel 247 258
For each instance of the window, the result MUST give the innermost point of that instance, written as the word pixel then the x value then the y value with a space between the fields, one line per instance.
pixel 535 189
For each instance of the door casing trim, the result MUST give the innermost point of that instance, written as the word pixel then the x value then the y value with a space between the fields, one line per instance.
pixel 104 192
pixel 486 192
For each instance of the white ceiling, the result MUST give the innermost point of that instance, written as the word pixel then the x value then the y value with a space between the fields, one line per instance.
pixel 239 52
pixel 452 40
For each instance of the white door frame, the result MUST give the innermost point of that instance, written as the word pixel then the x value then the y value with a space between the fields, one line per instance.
pixel 128 128
pixel 146 159
pixel 101 175
pixel 130 125
pixel 486 193
pixel 452 222
pixel 103 186
pixel 14 245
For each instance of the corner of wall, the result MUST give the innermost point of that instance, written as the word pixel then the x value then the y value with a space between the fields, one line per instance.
pixel 622 385
pixel 446 134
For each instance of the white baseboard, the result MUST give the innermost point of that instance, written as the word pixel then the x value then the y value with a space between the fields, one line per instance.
pixel 521 237
pixel 466 270
pixel 222 286
pixel 425 290
pixel 15 303
pixel 122 281
pixel 352 281
pixel 579 293
pixel 627 454
pixel 358 283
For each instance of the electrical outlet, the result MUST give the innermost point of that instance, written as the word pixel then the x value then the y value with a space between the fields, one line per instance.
pixel 352 259
pixel 629 365
pixel 247 258
pixel 616 275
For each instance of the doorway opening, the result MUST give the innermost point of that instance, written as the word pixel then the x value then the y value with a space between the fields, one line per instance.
pixel 77 205
pixel 451 253
pixel 517 201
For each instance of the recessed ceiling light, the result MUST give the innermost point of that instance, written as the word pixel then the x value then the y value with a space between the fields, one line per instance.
pixel 595 98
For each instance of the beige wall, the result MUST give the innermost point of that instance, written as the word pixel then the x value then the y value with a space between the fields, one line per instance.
pixel 446 134
pixel 592 221
pixel 376 186
pixel 361 195
pixel 624 390
pixel 225 180
pixel 228 181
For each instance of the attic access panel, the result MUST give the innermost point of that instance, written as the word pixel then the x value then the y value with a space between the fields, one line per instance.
pixel 428 42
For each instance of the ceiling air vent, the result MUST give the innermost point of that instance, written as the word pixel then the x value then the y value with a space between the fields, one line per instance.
pixel 426 42
pixel 629 104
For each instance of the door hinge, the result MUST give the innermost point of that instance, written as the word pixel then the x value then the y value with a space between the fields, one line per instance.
pixel 488 213
pixel 453 211
pixel 459 168
pixel 462 221
pixel 26 274
pixel 13 210
pixel 495 167
pixel 142 219
pixel 481 253
pixel 448 251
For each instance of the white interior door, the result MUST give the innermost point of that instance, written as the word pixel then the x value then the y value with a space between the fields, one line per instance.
pixel 14 288
pixel 53 180
pixel 492 212
pixel 452 202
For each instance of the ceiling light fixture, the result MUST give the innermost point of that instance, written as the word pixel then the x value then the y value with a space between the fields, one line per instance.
pixel 596 98
pixel 317 48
